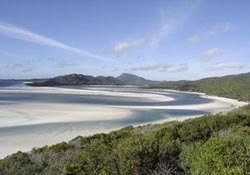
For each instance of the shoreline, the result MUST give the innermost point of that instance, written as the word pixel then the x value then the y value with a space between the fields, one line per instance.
pixel 35 113
pixel 236 105
pixel 38 136
pixel 73 114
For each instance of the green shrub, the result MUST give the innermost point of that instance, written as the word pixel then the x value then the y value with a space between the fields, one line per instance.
pixel 218 156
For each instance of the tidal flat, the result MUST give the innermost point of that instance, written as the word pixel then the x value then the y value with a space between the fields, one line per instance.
pixel 38 116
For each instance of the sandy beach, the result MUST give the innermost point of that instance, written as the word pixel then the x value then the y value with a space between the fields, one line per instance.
pixel 33 117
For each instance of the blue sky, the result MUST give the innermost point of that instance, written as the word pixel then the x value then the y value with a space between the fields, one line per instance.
pixel 157 39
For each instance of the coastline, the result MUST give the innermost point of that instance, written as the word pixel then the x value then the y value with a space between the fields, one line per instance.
pixel 37 138
pixel 34 113
pixel 235 105
pixel 74 112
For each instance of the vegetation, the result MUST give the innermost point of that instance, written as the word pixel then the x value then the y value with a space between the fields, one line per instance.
pixel 77 79
pixel 130 79
pixel 232 86
pixel 214 144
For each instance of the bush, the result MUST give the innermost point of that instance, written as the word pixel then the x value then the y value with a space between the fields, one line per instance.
pixel 218 156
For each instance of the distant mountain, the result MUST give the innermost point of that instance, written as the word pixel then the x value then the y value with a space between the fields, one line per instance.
pixel 231 86
pixel 77 79
pixel 130 79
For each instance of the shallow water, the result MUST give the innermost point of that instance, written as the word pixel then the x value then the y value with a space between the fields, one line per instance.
pixel 24 136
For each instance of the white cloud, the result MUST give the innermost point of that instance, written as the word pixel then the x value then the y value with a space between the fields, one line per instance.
pixel 226 65
pixel 219 28
pixel 162 67
pixel 26 35
pixel 173 18
pixel 124 46
pixel 211 53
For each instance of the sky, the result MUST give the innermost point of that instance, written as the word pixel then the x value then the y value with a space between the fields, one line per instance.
pixel 156 39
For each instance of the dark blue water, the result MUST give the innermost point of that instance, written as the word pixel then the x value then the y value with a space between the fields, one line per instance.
pixel 11 83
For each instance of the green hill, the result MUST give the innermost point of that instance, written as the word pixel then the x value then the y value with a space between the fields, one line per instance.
pixel 130 79
pixel 231 86
pixel 217 144
pixel 77 79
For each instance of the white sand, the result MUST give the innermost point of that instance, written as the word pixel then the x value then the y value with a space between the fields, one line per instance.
pixel 217 104
pixel 95 91
pixel 40 113
pixel 34 139
pixel 27 113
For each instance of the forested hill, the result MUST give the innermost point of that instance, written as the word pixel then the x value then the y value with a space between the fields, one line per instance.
pixel 77 79
pixel 231 86
pixel 131 79
pixel 217 144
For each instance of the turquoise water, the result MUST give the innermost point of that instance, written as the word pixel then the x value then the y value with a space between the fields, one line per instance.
pixel 138 116
pixel 25 137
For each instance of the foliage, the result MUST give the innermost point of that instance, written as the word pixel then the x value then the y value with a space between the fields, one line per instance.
pixel 214 144
pixel 219 156
pixel 130 79
pixel 233 86
pixel 77 79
